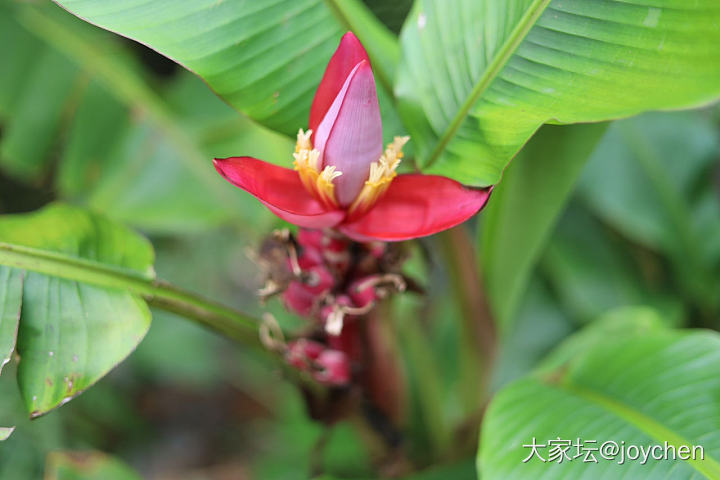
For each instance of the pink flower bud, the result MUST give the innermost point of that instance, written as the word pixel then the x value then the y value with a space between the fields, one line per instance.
pixel 310 257
pixel 349 136
pixel 298 299
pixel 362 292
pixel 304 295
pixel 334 368
pixel 325 246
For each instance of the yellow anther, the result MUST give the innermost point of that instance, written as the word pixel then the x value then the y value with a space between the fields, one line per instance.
pixel 381 175
pixel 307 159
pixel 329 174
pixel 320 183
pixel 377 172
pixel 393 153
pixel 307 163
pixel 325 187
pixel 303 140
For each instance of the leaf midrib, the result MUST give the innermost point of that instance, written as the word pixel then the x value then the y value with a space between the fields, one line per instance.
pixel 651 427
pixel 499 61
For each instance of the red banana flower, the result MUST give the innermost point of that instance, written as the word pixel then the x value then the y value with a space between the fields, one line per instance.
pixel 342 178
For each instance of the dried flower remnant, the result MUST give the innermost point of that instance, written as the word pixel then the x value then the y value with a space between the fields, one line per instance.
pixel 323 276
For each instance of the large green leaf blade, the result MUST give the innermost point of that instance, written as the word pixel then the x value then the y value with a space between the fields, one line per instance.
pixel 625 379
pixel 38 115
pixel 477 78
pixel 265 58
pixel 71 334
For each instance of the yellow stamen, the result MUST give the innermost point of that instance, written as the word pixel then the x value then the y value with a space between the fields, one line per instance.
pixel 325 187
pixel 307 164
pixel 303 140
pixel 381 175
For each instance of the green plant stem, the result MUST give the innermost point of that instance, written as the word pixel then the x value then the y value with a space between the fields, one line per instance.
pixel 225 320
pixel 479 335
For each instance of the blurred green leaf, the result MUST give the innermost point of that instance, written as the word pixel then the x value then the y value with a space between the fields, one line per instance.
pixel 180 353
pixel 296 433
pixel 626 379
pixel 524 207
pixel 97 126
pixel 142 183
pixel 11 285
pixel 47 95
pixel 593 272
pixel 88 465
pixel 477 78
pixel 540 324
pixel 264 57
pixel 345 454
pixel 71 333
pixel 17 62
pixel 649 179
pixel 459 471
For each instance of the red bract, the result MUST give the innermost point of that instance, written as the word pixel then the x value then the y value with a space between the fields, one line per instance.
pixel 343 178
